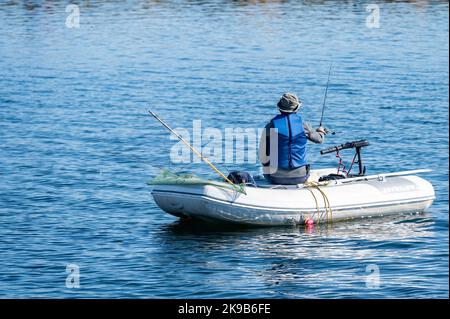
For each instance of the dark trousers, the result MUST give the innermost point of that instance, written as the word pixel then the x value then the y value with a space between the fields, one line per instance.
pixel 280 180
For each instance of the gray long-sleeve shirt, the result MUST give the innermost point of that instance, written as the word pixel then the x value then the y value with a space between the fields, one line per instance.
pixel 264 151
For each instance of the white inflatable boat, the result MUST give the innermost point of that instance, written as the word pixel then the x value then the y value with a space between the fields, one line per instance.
pixel 330 201
pixel 324 198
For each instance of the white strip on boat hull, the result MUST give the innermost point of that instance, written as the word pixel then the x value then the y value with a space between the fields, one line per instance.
pixel 268 206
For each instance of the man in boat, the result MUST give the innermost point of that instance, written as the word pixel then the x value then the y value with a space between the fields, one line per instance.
pixel 288 134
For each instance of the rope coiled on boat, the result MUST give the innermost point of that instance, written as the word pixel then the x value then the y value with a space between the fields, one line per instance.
pixel 328 211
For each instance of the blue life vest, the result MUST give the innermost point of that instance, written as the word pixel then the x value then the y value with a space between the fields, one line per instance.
pixel 291 140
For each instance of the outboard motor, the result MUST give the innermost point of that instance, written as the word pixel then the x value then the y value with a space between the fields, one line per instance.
pixel 241 177
pixel 331 177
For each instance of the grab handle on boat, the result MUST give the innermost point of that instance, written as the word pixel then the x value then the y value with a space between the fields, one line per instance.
pixel 382 177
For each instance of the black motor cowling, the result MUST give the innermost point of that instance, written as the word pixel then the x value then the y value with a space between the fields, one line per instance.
pixel 331 177
pixel 241 177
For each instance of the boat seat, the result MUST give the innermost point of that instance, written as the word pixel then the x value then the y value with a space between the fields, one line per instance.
pixel 265 184
pixel 315 175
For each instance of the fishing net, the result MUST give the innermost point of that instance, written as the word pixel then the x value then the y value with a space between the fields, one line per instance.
pixel 170 178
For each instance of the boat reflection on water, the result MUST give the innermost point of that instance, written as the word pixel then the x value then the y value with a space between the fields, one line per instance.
pixel 393 228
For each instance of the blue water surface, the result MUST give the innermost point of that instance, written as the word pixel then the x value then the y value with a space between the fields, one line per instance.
pixel 77 147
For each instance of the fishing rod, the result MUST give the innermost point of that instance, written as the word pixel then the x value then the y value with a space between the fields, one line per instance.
pixel 324 102
pixel 240 189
